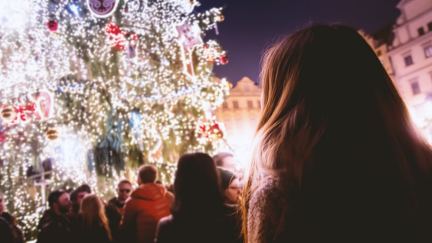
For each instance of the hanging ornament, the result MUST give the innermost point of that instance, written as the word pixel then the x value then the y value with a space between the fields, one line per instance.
pixel 112 28
pixel 118 46
pixel 189 35
pixel 216 131
pixel 212 52
pixel 223 59
pixel 210 130
pixel 26 112
pixel 7 113
pixel 115 37
pixel 52 25
pixel 102 8
pixel 51 133
pixel 45 105
pixel 133 6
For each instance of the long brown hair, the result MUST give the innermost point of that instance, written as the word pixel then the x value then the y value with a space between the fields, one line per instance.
pixel 330 108
pixel 93 214
pixel 197 188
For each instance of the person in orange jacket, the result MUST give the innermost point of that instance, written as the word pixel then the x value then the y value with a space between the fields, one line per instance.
pixel 147 204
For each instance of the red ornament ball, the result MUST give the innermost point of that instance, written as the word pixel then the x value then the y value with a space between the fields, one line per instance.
pixel 223 60
pixel 52 25
pixel 112 28
pixel 119 46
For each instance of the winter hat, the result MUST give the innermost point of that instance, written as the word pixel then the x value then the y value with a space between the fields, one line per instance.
pixel 226 177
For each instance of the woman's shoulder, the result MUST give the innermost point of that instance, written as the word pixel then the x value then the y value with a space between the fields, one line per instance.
pixel 266 209
pixel 266 190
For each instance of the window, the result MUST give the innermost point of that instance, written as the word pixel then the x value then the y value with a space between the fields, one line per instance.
pixel 408 60
pixel 225 105
pixel 428 50
pixel 250 104
pixel 430 26
pixel 415 87
pixel 236 104
pixel 421 31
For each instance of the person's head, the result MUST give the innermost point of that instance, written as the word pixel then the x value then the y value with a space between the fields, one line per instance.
pixel 2 203
pixel 79 193
pixel 92 212
pixel 225 160
pixel 322 81
pixel 196 185
pixel 230 186
pixel 124 189
pixel 59 201
pixel 147 174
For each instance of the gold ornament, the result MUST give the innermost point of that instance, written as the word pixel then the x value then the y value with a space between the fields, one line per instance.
pixel 51 133
pixel 7 113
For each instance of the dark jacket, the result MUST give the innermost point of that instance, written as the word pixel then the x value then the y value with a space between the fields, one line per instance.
pixel 9 232
pixel 54 228
pixel 338 216
pixel 225 228
pixel 114 212
pixel 147 205
pixel 93 234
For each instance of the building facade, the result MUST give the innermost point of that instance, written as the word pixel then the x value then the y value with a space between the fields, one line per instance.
pixel 410 54
pixel 240 113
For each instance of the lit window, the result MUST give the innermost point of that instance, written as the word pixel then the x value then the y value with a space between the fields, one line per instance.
pixel 225 105
pixel 415 88
pixel 250 104
pixel 428 50
pixel 236 104
pixel 408 60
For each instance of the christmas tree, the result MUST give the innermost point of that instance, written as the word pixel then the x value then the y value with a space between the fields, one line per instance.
pixel 92 87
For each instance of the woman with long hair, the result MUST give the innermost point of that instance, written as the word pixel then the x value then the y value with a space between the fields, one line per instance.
pixel 336 157
pixel 199 213
pixel 94 226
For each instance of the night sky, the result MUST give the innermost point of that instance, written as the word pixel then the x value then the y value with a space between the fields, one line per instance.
pixel 252 25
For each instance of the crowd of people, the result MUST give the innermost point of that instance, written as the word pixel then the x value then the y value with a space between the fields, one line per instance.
pixel 202 201
pixel 336 159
